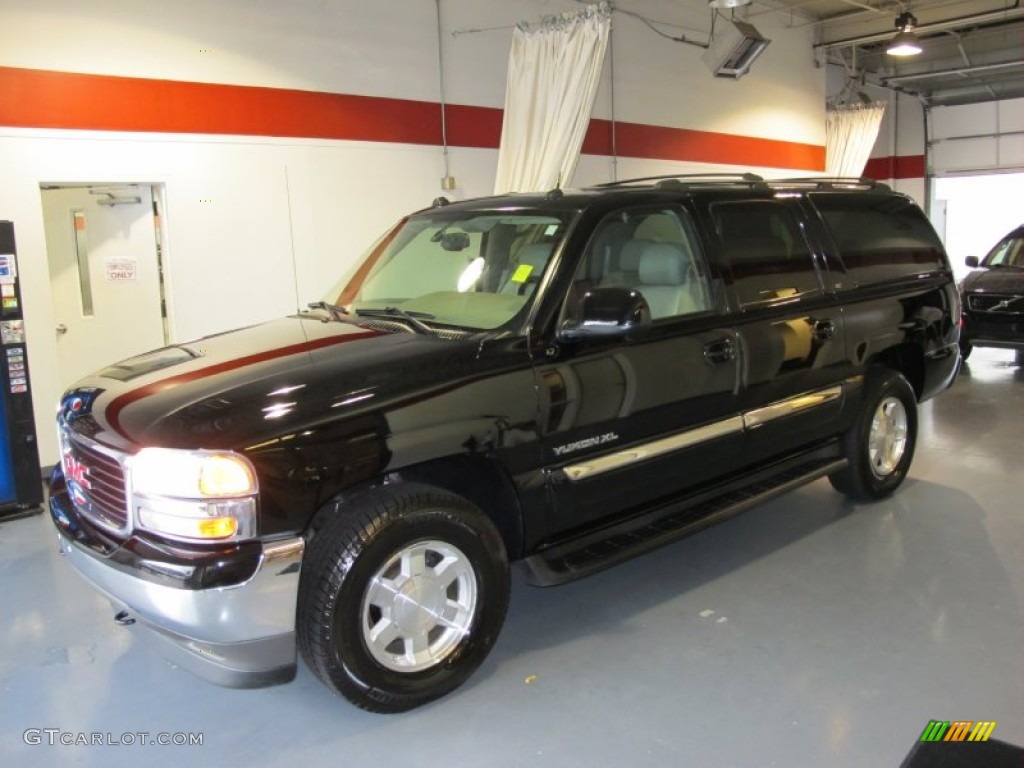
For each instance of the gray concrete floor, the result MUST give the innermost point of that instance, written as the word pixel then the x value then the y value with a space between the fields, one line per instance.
pixel 807 632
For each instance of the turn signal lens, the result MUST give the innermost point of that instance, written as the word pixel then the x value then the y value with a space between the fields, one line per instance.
pixel 218 528
pixel 228 520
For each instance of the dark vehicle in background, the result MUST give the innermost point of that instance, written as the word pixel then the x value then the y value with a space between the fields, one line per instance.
pixel 992 296
pixel 562 380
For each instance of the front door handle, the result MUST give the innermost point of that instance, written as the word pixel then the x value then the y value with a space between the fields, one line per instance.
pixel 719 351
pixel 823 330
pixel 61 329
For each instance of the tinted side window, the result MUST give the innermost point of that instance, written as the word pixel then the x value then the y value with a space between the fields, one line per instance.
pixel 652 250
pixel 880 237
pixel 766 251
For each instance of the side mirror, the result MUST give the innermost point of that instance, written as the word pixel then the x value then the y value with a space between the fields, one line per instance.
pixel 971 261
pixel 608 312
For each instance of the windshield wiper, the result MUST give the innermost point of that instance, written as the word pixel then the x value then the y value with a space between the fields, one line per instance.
pixel 337 312
pixel 413 318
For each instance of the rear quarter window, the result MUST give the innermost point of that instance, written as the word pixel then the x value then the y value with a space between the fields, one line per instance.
pixel 880 237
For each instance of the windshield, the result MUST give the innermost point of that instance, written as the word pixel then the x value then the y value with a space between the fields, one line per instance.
pixel 471 269
pixel 1009 253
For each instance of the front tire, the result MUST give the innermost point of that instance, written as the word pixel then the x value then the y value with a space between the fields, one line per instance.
pixel 880 443
pixel 403 594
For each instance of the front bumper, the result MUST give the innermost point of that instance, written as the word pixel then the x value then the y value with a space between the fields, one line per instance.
pixel 241 636
pixel 990 330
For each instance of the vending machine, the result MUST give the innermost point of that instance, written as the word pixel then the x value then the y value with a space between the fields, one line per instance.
pixel 21 487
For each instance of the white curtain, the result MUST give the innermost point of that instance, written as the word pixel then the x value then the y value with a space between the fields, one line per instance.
pixel 850 133
pixel 553 73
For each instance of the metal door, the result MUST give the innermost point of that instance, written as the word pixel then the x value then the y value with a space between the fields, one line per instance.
pixel 102 249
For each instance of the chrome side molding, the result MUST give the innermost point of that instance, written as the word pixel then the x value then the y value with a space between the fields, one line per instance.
pixel 747 420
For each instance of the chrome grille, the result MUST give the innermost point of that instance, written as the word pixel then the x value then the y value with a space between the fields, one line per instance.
pixel 1008 304
pixel 96 483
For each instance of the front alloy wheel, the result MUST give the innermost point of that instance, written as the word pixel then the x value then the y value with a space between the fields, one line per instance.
pixel 419 606
pixel 403 592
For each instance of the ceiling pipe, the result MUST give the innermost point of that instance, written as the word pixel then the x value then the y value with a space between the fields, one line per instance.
pixel 1005 14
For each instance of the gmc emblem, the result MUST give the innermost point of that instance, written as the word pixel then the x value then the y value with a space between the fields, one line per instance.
pixel 76 472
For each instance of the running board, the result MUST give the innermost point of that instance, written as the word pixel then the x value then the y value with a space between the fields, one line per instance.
pixel 595 551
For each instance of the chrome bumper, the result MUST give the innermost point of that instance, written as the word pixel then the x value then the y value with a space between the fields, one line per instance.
pixel 241 636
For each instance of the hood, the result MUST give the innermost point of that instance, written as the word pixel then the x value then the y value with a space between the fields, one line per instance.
pixel 998 280
pixel 236 389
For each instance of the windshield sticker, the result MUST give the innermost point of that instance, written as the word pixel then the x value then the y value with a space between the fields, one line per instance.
pixel 590 442
pixel 522 273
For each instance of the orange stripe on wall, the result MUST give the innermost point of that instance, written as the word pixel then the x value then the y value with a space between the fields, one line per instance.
pixel 43 99
pixel 660 143
pixel 895 167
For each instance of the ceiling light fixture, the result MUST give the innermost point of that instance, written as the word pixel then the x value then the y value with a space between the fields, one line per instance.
pixel 905 42
pixel 733 48
pixel 726 4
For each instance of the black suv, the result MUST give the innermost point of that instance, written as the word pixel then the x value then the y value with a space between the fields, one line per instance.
pixel 993 298
pixel 564 380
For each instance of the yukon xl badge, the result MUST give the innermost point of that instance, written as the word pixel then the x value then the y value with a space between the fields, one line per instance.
pixel 590 442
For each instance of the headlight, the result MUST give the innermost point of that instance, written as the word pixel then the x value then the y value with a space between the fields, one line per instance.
pixel 194 495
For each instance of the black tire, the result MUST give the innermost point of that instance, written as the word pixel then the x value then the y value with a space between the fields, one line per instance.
pixel 880 443
pixel 397 538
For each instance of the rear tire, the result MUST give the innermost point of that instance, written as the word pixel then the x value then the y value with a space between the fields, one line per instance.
pixel 403 593
pixel 880 443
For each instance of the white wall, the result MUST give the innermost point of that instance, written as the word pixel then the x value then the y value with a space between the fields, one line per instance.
pixel 257 225
pixel 342 46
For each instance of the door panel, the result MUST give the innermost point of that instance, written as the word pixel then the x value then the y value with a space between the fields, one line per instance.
pixel 102 251
pixel 630 423
pixel 631 420
pixel 793 364
pixel 791 332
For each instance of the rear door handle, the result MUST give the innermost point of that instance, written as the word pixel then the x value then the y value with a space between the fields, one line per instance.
pixel 823 330
pixel 719 351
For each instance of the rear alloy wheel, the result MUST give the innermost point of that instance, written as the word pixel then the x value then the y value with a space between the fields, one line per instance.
pixel 880 444
pixel 404 590
pixel 887 438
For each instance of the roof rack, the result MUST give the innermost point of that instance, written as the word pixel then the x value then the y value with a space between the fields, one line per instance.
pixel 835 182
pixel 679 179
pixel 682 180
